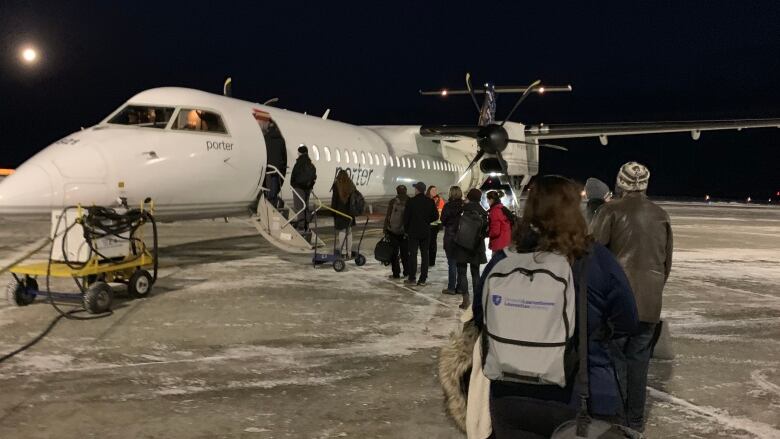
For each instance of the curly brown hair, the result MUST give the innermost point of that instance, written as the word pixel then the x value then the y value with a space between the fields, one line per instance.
pixel 552 211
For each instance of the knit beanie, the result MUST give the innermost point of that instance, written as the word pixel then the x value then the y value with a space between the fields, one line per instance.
pixel 633 177
pixel 596 189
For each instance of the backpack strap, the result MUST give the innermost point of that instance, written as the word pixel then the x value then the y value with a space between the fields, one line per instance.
pixel 583 417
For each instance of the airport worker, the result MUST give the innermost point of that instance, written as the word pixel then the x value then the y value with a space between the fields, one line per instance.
pixel 450 218
pixel 420 212
pixel 470 243
pixel 394 230
pixel 433 193
pixel 342 189
pixel 597 193
pixel 639 234
pixel 304 175
pixel 551 237
pixel 500 228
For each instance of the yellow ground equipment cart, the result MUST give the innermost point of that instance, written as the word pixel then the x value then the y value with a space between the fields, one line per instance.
pixel 95 247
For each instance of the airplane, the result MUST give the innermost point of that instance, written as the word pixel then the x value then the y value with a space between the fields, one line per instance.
pixel 202 155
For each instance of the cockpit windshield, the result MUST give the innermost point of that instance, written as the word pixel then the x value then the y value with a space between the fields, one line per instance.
pixel 143 116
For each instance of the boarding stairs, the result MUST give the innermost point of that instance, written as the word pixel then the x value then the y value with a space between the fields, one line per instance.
pixel 276 225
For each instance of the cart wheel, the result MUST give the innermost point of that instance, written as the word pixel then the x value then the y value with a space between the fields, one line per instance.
pixel 360 260
pixel 339 265
pixel 98 298
pixel 19 294
pixel 140 284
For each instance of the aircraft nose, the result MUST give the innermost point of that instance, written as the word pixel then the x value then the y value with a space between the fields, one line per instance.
pixel 29 190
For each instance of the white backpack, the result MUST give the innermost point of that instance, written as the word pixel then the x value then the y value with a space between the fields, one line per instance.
pixel 528 302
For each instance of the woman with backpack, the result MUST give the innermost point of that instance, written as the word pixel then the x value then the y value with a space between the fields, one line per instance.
pixel 500 228
pixel 470 243
pixel 342 189
pixel 552 229
pixel 450 218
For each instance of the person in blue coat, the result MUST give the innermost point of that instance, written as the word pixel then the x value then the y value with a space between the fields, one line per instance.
pixel 552 222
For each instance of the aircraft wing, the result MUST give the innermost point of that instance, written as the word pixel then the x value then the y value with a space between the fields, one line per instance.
pixel 603 131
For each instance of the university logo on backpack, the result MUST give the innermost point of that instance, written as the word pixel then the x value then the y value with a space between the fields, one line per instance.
pixel 470 229
pixel 396 225
pixel 357 204
pixel 528 301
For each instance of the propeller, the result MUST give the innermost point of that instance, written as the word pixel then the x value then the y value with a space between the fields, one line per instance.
pixel 492 138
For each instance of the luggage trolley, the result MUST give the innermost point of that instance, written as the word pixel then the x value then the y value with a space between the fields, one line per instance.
pixel 340 253
pixel 93 276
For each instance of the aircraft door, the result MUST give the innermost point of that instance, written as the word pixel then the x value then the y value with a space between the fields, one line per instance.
pixel 276 154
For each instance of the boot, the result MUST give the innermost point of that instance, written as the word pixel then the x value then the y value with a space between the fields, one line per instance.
pixel 465 303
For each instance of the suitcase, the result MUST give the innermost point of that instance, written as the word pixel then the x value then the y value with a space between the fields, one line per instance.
pixel 383 251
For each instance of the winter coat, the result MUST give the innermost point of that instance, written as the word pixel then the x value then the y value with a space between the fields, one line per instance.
pixel 420 212
pixel 612 313
pixel 339 221
pixel 639 234
pixel 450 218
pixel 477 255
pixel 304 173
pixel 500 229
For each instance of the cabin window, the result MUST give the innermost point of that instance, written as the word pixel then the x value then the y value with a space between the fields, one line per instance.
pixel 315 152
pixel 354 156
pixel 346 156
pixel 326 150
pixel 414 163
pixel 384 160
pixel 371 159
pixel 143 116
pixel 376 159
pixel 189 119
pixel 422 164
pixel 362 157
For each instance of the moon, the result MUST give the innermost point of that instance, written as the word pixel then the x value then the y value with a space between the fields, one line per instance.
pixel 29 55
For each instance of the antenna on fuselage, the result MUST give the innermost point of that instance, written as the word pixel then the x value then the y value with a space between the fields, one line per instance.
pixel 227 87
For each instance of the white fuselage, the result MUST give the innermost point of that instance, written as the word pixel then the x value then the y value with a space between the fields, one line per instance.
pixel 198 174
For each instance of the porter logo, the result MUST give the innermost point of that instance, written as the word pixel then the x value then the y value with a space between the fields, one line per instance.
pixel 496 299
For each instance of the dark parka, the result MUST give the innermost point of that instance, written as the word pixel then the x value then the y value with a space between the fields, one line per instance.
pixel 339 221
pixel 611 313
pixel 639 234
pixel 450 218
pixel 420 212
pixel 477 255
pixel 304 173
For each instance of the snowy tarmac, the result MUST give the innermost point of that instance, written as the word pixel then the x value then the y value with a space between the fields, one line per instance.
pixel 239 340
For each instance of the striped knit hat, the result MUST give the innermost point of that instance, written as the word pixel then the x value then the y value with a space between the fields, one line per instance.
pixel 633 177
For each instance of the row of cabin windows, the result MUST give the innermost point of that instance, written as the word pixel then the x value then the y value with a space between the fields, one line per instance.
pixel 351 156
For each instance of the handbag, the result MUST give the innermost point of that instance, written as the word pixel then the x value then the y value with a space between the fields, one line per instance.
pixel 583 426
pixel 383 252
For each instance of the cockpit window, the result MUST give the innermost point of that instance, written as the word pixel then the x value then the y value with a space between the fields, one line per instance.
pixel 143 116
pixel 190 119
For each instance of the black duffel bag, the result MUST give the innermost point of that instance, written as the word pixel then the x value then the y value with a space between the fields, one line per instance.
pixel 383 251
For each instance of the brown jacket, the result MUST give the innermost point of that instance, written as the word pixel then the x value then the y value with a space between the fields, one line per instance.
pixel 639 234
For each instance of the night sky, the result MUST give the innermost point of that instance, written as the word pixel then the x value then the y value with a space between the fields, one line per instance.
pixel 663 60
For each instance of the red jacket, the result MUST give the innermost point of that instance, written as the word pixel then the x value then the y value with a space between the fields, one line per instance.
pixel 500 230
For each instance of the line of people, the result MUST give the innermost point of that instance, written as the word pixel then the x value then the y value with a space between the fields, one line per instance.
pixel 522 355
pixel 413 224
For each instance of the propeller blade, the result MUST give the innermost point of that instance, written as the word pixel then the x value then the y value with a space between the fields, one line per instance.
pixel 471 92
pixel 525 94
pixel 471 165
pixel 502 163
pixel 545 145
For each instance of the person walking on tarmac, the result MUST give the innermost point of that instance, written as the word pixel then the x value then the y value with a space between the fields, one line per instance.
pixel 475 256
pixel 438 201
pixel 420 212
pixel 304 175
pixel 342 189
pixel 394 230
pixel 450 219
pixel 500 228
pixel 639 234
